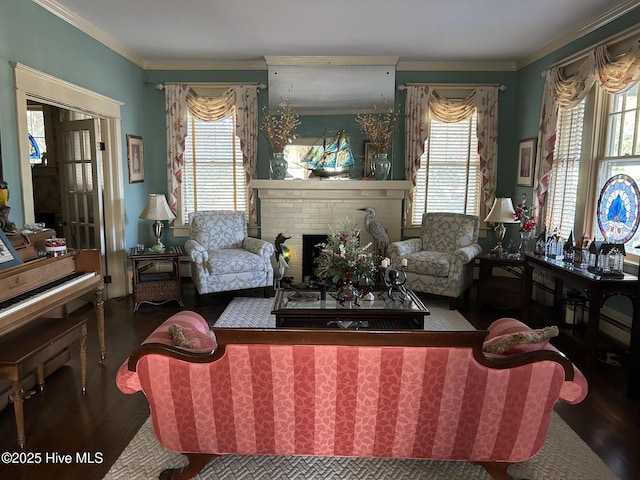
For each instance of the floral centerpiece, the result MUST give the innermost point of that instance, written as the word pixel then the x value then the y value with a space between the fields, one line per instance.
pixel 523 215
pixel 342 259
pixel 280 127
pixel 379 128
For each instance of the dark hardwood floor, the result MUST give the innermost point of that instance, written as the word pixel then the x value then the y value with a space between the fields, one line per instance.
pixel 62 421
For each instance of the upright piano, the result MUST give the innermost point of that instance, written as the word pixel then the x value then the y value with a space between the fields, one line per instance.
pixel 32 289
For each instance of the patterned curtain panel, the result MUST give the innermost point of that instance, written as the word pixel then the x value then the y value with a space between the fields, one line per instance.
pixel 176 114
pixel 416 124
pixel 246 100
pixel 613 76
pixel 179 98
pixel 422 101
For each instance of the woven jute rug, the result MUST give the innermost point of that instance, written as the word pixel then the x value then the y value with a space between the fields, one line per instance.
pixel 564 455
pixel 255 312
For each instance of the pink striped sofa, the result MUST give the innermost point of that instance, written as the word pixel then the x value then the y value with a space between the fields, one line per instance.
pixel 402 394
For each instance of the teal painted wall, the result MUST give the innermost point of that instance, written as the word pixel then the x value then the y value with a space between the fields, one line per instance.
pixel 32 36
pixel 56 48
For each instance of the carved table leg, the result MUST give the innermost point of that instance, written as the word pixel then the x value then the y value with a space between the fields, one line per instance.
pixel 18 409
pixel 99 307
pixel 83 358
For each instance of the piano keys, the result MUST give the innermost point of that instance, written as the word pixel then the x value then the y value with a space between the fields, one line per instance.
pixel 30 290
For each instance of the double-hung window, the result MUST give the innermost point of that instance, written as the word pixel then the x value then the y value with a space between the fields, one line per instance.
pixel 213 177
pixel 449 177
pixel 622 146
pixel 571 202
pixel 563 185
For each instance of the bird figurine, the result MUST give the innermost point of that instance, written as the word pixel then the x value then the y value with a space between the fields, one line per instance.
pixel 4 194
pixel 279 242
pixel 377 232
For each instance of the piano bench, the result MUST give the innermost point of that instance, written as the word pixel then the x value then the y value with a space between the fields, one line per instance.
pixel 26 351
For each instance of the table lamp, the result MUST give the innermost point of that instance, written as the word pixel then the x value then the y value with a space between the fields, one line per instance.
pixel 157 209
pixel 501 212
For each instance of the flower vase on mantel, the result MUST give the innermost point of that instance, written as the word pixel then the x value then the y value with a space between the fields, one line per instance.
pixel 278 166
pixel 381 166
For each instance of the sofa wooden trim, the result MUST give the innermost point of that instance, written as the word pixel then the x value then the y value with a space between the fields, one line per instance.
pixel 399 338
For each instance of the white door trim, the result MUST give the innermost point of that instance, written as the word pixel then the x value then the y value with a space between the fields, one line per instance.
pixel 31 84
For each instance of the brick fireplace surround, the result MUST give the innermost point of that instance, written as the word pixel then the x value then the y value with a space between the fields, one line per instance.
pixel 297 207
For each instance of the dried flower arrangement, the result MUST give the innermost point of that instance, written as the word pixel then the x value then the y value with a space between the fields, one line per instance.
pixel 279 128
pixel 379 128
pixel 342 258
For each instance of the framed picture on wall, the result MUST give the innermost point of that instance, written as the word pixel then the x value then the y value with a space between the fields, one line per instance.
pixel 135 155
pixel 367 150
pixel 526 161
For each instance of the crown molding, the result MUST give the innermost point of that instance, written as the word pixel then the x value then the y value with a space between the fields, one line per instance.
pixel 204 65
pixel 456 66
pixel 604 19
pixel 84 26
pixel 273 60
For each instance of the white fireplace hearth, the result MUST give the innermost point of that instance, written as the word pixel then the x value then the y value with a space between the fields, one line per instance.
pixel 297 207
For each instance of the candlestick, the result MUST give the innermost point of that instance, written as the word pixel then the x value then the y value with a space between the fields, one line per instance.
pixel 395 280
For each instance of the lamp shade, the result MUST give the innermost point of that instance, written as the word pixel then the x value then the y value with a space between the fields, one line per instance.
pixel 502 211
pixel 157 208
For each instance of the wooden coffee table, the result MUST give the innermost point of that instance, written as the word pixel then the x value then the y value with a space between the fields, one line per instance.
pixel 305 309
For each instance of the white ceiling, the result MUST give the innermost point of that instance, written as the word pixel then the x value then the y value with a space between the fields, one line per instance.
pixel 508 32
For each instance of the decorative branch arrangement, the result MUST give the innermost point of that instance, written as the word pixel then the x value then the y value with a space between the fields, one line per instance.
pixel 280 127
pixel 379 128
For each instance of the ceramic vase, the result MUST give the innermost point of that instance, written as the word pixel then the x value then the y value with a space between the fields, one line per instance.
pixel 381 166
pixel 278 166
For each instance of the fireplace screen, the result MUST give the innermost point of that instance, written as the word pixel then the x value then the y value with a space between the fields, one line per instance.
pixel 310 252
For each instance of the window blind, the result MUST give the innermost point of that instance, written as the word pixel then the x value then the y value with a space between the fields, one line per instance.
pixel 563 186
pixel 213 175
pixel 449 175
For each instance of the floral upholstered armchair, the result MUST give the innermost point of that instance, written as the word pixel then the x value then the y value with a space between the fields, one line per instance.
pixel 441 260
pixel 223 257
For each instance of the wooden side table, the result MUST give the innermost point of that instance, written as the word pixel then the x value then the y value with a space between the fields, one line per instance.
pixel 153 285
pixel 500 291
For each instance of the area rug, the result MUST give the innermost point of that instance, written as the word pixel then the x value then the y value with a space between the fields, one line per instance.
pixel 563 457
pixel 255 312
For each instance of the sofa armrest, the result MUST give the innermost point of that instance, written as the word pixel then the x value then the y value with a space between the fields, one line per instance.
pixel 258 246
pixel 572 391
pixel 195 329
pixel 196 252
pixel 403 248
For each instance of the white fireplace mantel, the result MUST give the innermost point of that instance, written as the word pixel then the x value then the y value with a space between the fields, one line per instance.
pixel 297 207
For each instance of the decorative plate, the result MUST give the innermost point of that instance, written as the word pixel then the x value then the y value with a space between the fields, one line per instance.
pixel 618 209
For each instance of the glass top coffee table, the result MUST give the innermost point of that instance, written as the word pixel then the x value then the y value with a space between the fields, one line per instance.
pixel 305 309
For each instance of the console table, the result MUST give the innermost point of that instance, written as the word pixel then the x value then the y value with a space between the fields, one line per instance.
pixel 599 289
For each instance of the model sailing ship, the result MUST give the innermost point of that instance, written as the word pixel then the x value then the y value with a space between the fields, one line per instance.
pixel 330 159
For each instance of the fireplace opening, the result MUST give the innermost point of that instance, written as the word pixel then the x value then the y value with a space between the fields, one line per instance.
pixel 310 252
